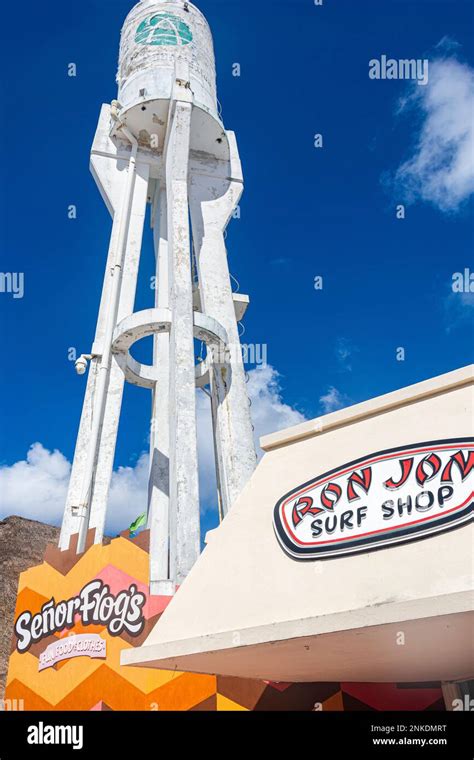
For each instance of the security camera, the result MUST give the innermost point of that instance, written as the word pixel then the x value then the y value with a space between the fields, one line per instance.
pixel 81 364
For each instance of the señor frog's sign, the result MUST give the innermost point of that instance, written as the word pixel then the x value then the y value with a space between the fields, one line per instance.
pixel 82 645
pixel 389 497
pixel 94 605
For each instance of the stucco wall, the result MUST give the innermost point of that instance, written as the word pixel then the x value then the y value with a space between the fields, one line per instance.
pixel 244 580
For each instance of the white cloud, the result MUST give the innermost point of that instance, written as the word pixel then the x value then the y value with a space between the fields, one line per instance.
pixel 441 169
pixel 344 351
pixel 128 495
pixel 269 414
pixel 37 486
pixel 333 400
pixel 448 44
pixel 458 309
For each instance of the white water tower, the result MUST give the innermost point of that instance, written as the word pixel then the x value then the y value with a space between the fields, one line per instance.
pixel 162 142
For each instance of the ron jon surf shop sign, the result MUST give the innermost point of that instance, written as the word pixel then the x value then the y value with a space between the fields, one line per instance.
pixel 392 496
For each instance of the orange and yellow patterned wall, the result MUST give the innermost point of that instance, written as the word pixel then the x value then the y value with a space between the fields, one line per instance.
pixel 101 683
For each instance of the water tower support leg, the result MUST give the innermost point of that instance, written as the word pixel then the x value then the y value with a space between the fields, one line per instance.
pixel 184 489
pixel 233 425
pixel 158 494
pixel 113 404
pixel 100 487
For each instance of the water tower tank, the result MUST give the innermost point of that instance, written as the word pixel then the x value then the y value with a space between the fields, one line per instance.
pixel 157 35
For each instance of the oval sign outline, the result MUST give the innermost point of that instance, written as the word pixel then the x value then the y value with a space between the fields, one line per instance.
pixel 397 535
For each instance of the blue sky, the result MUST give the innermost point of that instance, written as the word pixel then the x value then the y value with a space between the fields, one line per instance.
pixel 305 212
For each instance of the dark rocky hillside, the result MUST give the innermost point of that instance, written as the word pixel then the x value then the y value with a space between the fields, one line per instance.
pixel 22 545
